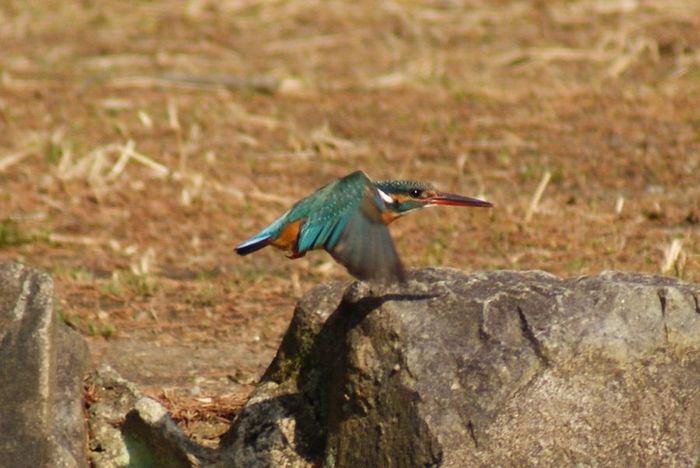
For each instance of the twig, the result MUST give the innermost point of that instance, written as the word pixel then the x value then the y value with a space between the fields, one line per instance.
pixel 123 160
pixel 12 159
pixel 671 255
pixel 173 119
pixel 263 84
pixel 79 240
pixel 160 169
pixel 535 201
pixel 619 205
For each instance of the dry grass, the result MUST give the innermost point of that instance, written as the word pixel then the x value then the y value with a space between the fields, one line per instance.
pixel 204 418
pixel 139 142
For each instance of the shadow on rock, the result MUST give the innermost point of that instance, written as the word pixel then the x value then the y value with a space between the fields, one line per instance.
pixel 287 418
pixel 321 379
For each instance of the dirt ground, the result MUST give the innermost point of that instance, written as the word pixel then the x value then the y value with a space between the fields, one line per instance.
pixel 140 141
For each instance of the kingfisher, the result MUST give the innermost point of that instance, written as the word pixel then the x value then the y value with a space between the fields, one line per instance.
pixel 348 218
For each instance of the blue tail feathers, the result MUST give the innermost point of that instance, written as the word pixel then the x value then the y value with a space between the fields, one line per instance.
pixel 253 244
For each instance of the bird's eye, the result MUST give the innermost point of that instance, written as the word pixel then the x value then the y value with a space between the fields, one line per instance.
pixel 415 193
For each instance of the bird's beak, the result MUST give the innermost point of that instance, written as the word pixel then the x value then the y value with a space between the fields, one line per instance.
pixel 456 200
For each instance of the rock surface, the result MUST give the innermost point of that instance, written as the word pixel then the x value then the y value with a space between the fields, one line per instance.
pixel 497 368
pixel 128 429
pixel 42 363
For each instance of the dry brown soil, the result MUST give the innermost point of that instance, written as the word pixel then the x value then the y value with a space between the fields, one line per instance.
pixel 140 141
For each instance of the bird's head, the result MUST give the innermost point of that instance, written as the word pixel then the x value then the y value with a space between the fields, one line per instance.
pixel 404 196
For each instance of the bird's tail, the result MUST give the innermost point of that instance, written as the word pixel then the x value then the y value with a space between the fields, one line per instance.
pixel 253 244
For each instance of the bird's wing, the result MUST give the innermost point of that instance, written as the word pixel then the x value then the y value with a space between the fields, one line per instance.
pixel 347 222
pixel 365 247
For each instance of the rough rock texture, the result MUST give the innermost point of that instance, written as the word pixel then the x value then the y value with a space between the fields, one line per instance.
pixel 489 369
pixel 42 363
pixel 130 429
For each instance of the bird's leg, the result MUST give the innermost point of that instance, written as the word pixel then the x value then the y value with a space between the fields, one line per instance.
pixel 293 255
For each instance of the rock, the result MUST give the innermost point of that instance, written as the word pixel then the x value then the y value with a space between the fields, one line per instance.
pixel 499 368
pixel 130 429
pixel 42 363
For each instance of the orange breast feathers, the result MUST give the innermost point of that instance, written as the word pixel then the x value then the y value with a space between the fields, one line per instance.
pixel 389 216
pixel 287 239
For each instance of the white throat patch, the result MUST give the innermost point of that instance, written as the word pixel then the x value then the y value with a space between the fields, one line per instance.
pixel 385 197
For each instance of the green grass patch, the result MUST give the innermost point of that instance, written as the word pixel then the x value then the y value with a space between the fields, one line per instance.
pixel 578 265
pixel 105 330
pixel 11 234
pixel 125 284
pixel 54 152
pixel 141 285
pixel 205 296
pixel 205 275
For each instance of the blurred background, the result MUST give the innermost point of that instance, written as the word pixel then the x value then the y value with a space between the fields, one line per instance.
pixel 140 141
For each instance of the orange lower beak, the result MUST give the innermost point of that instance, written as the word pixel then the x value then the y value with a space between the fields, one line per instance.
pixel 457 200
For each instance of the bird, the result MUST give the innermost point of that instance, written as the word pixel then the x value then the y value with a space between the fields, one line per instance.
pixel 348 218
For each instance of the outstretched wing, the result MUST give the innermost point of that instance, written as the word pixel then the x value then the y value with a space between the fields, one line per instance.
pixel 347 222
pixel 365 247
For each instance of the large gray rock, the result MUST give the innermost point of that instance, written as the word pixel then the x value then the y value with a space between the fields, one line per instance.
pixel 501 368
pixel 42 363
